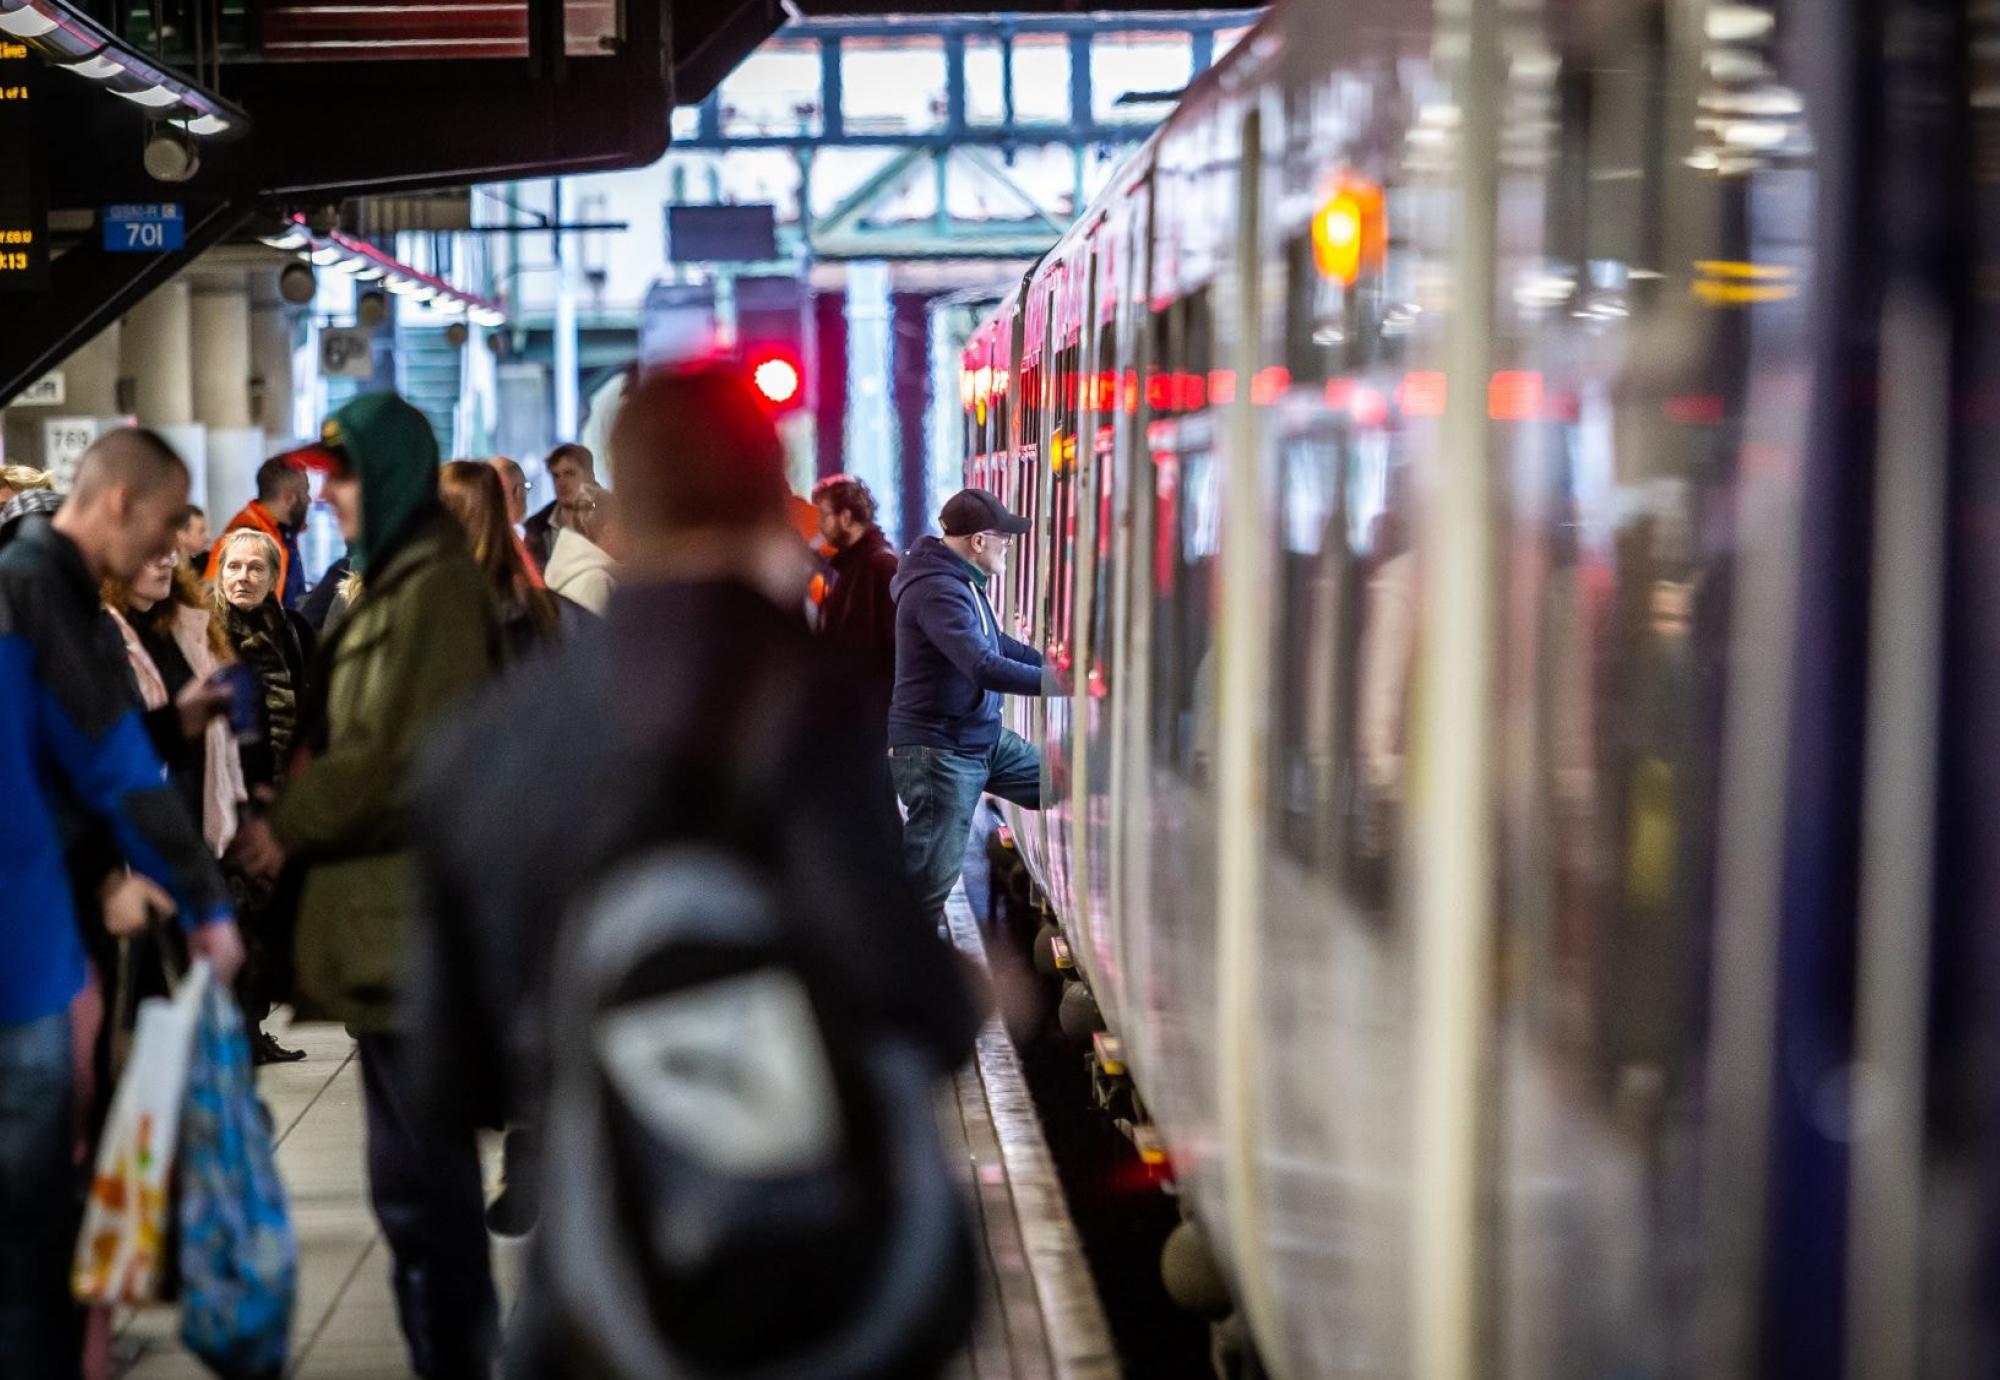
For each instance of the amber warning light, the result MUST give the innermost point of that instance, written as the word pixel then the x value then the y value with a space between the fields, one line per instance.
pixel 1347 232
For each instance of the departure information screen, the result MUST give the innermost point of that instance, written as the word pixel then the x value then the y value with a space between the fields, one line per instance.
pixel 24 212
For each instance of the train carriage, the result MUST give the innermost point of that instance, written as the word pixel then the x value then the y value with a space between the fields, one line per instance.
pixel 1454 507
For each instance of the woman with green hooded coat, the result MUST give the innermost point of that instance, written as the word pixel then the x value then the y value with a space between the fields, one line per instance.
pixel 422 635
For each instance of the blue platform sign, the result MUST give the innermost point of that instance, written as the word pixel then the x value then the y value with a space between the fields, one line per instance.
pixel 144 228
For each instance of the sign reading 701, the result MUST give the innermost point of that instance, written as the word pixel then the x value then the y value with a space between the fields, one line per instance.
pixel 144 229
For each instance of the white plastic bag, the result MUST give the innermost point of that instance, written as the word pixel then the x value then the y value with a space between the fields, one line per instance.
pixel 122 1245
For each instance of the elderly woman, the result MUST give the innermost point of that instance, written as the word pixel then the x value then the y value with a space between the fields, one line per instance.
pixel 265 638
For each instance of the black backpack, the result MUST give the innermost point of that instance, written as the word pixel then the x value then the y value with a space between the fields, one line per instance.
pixel 743 1175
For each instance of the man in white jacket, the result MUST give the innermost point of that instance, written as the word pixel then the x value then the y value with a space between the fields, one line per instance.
pixel 580 568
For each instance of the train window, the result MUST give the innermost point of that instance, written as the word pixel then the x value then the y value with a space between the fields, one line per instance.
pixel 1028 462
pixel 1186 537
pixel 1064 458
pixel 1316 319
pixel 1191 721
pixel 1165 578
pixel 1101 479
pixel 1314 624
pixel 1197 349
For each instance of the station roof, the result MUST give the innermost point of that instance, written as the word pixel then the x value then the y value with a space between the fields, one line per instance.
pixel 277 105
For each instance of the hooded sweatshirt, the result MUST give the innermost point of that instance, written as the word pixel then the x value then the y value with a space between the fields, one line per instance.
pixel 395 452
pixel 581 570
pixel 952 661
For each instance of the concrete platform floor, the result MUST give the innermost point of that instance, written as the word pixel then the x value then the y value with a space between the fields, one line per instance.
pixel 1039 1318
pixel 345 1324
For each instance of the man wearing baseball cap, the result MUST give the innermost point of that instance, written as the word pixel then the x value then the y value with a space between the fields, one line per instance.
pixel 946 745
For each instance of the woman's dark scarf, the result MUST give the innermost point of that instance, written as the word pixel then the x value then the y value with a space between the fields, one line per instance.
pixel 264 641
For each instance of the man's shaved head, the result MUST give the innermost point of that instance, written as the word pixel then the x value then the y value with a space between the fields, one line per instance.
pixel 125 505
pixel 130 458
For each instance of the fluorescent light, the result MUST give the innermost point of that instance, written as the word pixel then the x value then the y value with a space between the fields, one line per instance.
pixel 1770 102
pixel 486 316
pixel 404 287
pixel 1737 23
pixel 99 68
pixel 154 96
pixel 329 255
pixel 369 274
pixel 1754 134
pixel 1735 65
pixel 26 23
pixel 448 306
pixel 344 265
pixel 290 239
pixel 208 124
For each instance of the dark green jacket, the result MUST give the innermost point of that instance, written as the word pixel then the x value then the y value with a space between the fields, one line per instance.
pixel 423 634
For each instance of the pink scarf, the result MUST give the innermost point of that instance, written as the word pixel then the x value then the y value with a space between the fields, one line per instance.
pixel 222 772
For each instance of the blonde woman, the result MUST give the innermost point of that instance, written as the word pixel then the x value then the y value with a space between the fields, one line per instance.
pixel 273 643
pixel 20 479
pixel 276 645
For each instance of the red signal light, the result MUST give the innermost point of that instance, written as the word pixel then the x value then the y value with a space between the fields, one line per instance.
pixel 777 380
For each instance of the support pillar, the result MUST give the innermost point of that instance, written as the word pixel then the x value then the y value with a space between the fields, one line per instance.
pixel 91 376
pixel 220 318
pixel 156 376
pixel 272 383
pixel 871 423
pixel 156 357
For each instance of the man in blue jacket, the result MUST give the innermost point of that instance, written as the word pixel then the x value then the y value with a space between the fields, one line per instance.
pixel 946 745
pixel 72 746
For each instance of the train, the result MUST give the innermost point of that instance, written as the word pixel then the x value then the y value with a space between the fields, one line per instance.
pixel 1513 550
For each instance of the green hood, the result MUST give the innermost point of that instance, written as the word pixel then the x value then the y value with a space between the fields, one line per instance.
pixel 394 453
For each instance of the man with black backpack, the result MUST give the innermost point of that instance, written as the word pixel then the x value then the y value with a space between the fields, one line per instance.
pixel 695 955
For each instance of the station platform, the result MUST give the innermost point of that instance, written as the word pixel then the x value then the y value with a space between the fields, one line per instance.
pixel 1039 1315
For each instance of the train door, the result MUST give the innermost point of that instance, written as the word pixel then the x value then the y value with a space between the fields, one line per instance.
pixel 1242 638
pixel 1111 601
pixel 1090 497
pixel 1040 549
pixel 1132 684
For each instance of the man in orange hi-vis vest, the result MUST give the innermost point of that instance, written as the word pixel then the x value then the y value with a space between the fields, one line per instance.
pixel 279 512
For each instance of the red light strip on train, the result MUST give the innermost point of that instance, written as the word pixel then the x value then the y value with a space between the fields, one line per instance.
pixel 1514 395
pixel 1421 394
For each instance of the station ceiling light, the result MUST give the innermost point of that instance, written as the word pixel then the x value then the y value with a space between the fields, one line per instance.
pixel 365 263
pixel 74 42
pixel 25 22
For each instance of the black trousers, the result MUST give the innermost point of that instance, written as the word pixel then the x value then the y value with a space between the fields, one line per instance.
pixel 423 1178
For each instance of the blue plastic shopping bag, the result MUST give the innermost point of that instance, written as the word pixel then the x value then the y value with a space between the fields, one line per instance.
pixel 239 1258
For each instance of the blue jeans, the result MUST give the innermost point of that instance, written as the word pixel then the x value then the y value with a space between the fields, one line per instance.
pixel 940 789
pixel 39 1203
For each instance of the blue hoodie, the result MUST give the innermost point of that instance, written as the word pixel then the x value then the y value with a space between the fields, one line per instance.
pixel 72 737
pixel 952 661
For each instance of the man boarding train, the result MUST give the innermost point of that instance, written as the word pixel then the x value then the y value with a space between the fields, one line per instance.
pixel 946 743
